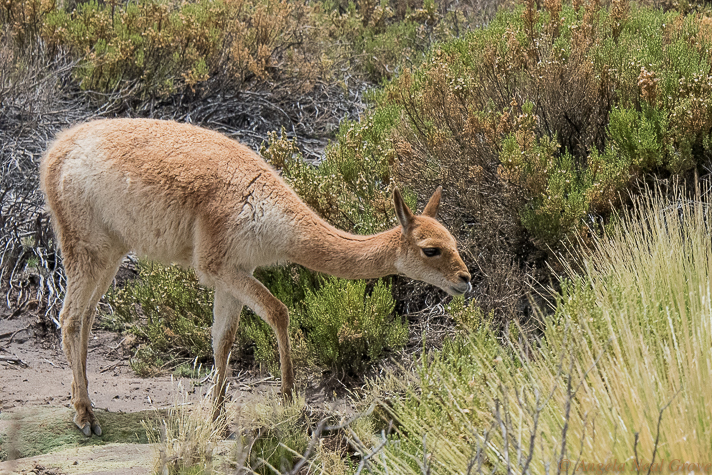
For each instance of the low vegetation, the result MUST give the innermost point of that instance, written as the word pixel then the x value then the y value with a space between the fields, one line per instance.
pixel 157 48
pixel 540 125
pixel 244 67
pixel 584 339
pixel 618 375
pixel 334 324
pixel 40 430
pixel 269 437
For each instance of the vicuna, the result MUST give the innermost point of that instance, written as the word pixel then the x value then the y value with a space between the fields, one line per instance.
pixel 177 193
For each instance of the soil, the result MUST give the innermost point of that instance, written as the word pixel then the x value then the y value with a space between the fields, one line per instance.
pixel 36 415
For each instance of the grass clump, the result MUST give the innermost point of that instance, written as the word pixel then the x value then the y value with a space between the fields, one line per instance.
pixel 187 438
pixel 270 436
pixel 619 375
pixel 274 435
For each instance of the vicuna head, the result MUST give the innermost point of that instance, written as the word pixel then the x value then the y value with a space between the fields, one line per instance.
pixel 428 251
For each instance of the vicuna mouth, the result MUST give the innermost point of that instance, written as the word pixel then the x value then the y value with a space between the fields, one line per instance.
pixel 461 289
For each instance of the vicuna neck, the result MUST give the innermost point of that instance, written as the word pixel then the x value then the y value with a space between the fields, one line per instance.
pixel 323 248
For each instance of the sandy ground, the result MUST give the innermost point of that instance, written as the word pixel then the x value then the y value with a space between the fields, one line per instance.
pixel 111 459
pixel 35 373
pixel 44 377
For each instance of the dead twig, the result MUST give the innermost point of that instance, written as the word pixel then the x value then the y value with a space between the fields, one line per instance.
pixel 13 360
pixel 12 334
pixel 113 366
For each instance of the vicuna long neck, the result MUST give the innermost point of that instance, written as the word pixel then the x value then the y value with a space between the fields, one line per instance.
pixel 321 247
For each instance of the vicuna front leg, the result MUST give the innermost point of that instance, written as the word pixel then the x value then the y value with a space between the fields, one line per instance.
pixel 88 277
pixel 256 296
pixel 226 314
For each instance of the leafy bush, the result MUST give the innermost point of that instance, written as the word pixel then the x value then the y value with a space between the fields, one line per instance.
pixel 557 113
pixel 335 324
pixel 161 47
pixel 539 126
pixel 352 187
pixel 620 374
pixel 347 328
pixel 169 311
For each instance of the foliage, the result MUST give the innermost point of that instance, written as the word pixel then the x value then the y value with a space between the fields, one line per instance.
pixel 161 47
pixel 168 309
pixel 525 166
pixel 336 324
pixel 636 105
pixel 349 329
pixel 619 375
pixel 469 317
pixel 351 188
pixel 151 42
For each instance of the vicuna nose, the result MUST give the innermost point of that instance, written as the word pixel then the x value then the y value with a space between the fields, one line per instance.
pixel 465 277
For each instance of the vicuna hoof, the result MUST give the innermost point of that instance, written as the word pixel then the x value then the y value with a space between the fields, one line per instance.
pixel 85 427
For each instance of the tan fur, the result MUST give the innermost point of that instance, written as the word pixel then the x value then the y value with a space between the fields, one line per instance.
pixel 178 193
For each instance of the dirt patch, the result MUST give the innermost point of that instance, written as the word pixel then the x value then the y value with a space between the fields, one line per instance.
pixel 36 414
pixel 35 372
pixel 111 459
pixel 40 374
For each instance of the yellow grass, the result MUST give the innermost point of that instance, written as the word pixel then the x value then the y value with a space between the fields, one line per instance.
pixel 621 375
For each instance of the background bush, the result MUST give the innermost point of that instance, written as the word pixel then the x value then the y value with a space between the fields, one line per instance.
pixel 538 125
pixel 159 47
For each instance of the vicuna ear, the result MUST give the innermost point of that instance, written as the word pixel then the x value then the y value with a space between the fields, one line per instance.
pixel 403 213
pixel 431 209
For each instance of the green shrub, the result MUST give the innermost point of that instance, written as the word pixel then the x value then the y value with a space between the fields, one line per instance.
pixel 349 329
pixel 636 105
pixel 539 126
pixel 171 313
pixel 334 324
pixel 155 48
pixel 352 187
pixel 158 45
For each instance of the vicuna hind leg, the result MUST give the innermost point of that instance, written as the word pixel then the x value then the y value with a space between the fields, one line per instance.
pixel 88 277
pixel 226 313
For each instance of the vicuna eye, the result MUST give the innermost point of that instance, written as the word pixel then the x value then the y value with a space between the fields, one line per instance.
pixel 431 251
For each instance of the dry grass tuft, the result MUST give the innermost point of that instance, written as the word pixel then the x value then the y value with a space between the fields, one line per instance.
pixel 619 376
pixel 187 438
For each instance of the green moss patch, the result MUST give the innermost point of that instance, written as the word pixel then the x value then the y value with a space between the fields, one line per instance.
pixel 40 430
